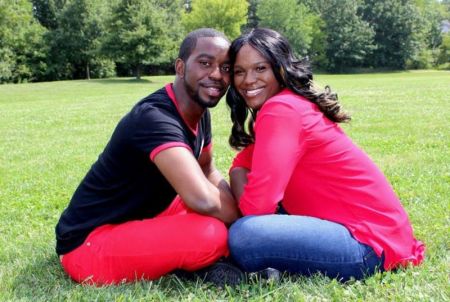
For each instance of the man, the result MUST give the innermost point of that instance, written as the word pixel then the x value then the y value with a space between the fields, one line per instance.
pixel 154 202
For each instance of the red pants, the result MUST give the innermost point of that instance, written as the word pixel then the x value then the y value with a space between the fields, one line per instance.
pixel 148 249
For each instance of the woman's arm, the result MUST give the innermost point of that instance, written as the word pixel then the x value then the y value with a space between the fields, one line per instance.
pixel 279 145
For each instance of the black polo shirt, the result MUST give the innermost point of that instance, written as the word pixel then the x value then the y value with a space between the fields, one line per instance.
pixel 124 184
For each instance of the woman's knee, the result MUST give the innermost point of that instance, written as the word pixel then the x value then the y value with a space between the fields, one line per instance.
pixel 244 233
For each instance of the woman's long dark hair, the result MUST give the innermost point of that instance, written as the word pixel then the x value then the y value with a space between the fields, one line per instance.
pixel 289 71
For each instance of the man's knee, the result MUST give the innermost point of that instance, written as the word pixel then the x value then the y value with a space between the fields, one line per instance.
pixel 210 232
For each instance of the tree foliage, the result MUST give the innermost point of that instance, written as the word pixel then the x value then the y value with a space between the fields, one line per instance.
pixel 224 15
pixel 70 39
pixel 137 33
pixel 397 31
pixel 22 49
pixel 252 16
pixel 78 35
pixel 349 38
pixel 295 21
pixel 46 11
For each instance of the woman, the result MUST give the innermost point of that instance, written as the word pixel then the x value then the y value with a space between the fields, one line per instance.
pixel 344 220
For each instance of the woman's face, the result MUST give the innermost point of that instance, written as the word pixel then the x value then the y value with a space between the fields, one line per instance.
pixel 254 78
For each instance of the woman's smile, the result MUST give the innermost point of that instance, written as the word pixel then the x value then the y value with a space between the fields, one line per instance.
pixel 254 78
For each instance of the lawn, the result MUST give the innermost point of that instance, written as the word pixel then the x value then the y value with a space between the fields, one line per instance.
pixel 52 132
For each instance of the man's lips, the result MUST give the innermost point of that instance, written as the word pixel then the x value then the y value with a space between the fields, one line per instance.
pixel 213 90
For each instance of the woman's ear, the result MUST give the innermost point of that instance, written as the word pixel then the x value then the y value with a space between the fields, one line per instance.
pixel 180 67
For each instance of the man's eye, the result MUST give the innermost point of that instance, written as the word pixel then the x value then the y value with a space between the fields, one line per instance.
pixel 205 63
pixel 226 68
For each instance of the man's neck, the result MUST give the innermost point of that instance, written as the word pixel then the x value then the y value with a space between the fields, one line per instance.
pixel 191 111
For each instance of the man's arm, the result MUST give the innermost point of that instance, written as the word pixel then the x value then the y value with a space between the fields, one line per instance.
pixel 199 184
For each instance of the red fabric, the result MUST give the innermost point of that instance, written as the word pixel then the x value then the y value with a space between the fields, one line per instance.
pixel 208 148
pixel 307 161
pixel 167 146
pixel 171 94
pixel 148 249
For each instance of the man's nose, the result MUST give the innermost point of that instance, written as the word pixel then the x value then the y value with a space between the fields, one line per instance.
pixel 216 73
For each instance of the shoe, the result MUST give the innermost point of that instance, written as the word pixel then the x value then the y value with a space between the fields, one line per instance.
pixel 269 274
pixel 220 274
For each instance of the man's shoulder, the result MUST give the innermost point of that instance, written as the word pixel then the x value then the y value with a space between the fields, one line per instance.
pixel 156 103
pixel 157 97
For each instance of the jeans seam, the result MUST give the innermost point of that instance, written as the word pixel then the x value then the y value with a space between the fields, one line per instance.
pixel 334 261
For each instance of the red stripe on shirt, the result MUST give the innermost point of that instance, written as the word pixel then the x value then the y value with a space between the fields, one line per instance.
pixel 167 146
pixel 175 102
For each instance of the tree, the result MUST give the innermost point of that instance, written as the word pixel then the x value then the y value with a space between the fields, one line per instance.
pixel 295 21
pixel 349 39
pixel 252 17
pixel 397 26
pixel 172 21
pixel 432 14
pixel 80 26
pixel 22 51
pixel 137 34
pixel 224 15
pixel 444 51
pixel 46 11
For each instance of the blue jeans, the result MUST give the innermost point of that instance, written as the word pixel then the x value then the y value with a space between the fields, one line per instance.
pixel 300 245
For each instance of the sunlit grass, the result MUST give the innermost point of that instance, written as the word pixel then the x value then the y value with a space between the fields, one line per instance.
pixel 52 132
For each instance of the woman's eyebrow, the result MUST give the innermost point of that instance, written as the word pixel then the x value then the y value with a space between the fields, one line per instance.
pixel 256 63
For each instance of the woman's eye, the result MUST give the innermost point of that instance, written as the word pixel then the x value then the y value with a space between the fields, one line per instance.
pixel 238 72
pixel 260 68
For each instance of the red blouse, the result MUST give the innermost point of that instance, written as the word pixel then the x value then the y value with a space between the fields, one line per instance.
pixel 306 161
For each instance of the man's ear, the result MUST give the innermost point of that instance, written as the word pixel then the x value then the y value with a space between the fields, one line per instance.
pixel 179 67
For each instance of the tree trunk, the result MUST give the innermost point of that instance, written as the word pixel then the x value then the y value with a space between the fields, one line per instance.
pixel 88 72
pixel 138 71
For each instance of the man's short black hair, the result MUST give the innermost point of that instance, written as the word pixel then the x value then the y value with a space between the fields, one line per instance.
pixel 189 43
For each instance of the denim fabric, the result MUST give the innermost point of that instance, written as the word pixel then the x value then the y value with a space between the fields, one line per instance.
pixel 301 245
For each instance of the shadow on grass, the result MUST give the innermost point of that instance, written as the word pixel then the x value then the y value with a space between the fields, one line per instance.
pixel 43 279
pixel 122 81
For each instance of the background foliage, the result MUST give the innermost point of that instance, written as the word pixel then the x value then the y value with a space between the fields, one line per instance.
pixel 73 39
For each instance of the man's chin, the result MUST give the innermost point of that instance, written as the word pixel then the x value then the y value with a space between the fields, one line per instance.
pixel 209 103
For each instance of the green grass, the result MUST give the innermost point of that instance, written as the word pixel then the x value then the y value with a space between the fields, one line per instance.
pixel 52 132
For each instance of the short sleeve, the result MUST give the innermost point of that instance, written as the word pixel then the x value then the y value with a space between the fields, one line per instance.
pixel 156 130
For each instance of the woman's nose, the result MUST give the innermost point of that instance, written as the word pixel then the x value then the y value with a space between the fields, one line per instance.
pixel 249 77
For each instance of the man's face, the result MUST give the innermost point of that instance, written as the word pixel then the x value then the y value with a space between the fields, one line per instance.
pixel 207 71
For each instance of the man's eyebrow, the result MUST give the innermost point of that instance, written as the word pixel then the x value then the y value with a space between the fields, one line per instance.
pixel 210 57
pixel 205 55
